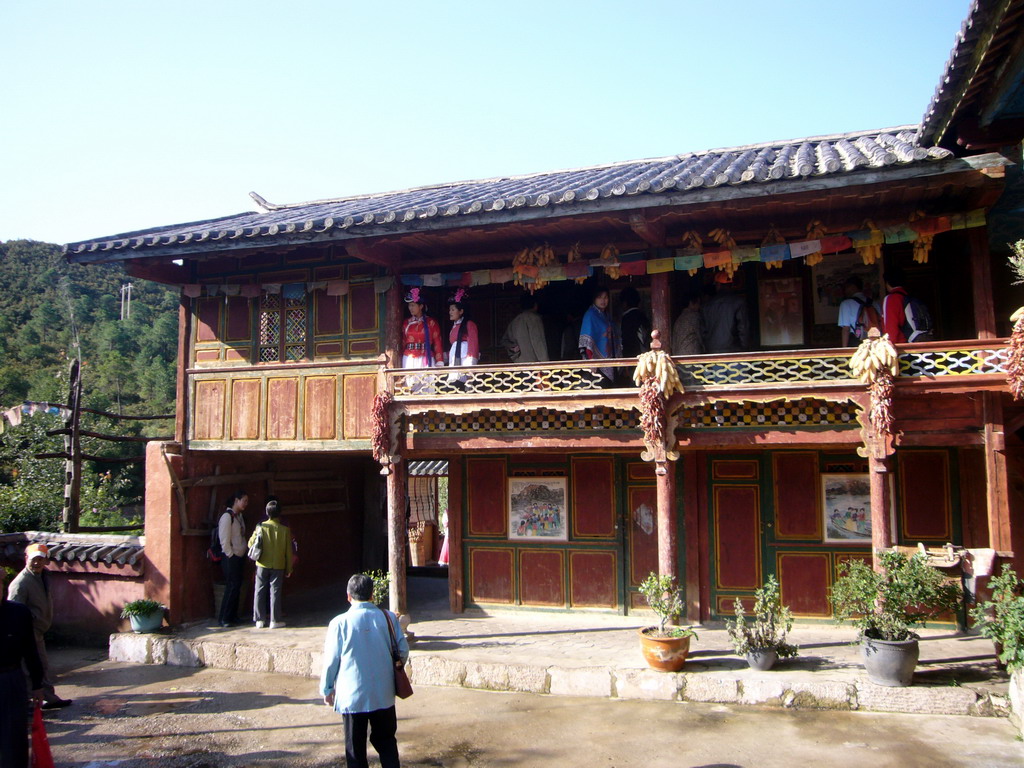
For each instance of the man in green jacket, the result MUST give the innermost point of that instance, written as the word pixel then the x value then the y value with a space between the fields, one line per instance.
pixel 272 567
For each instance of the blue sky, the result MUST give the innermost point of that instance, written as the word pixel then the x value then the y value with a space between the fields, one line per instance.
pixel 119 116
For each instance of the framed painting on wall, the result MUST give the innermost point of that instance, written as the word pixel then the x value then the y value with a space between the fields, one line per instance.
pixel 537 508
pixel 828 281
pixel 846 504
pixel 781 306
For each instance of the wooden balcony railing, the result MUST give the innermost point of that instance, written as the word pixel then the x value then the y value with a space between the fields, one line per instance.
pixel 943 362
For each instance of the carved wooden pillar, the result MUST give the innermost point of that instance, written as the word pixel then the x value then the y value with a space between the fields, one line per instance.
pixel 397 536
pixel 981 283
pixel 881 502
pixel 996 486
pixel 661 308
pixel 668 553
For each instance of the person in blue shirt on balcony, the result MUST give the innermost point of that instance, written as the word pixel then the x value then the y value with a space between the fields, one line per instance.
pixel 358 678
pixel 597 334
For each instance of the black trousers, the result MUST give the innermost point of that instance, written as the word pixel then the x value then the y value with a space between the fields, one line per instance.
pixel 382 725
pixel 14 719
pixel 232 567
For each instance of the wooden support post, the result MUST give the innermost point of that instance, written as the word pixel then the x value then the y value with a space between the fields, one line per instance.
pixel 397 537
pixel 981 283
pixel 393 324
pixel 881 499
pixel 456 588
pixel 181 385
pixel 668 554
pixel 1000 534
pixel 73 449
pixel 661 309
pixel 691 541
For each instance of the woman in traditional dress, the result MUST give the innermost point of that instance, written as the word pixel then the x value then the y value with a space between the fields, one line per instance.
pixel 421 340
pixel 597 334
pixel 463 336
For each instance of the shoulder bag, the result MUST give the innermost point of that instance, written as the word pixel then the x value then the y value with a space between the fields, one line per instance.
pixel 403 688
pixel 256 547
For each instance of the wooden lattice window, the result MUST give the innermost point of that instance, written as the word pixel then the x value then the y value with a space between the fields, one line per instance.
pixel 282 328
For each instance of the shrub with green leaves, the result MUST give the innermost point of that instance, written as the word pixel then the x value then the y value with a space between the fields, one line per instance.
pixel 381 585
pixel 888 605
pixel 1001 619
pixel 771 624
pixel 666 600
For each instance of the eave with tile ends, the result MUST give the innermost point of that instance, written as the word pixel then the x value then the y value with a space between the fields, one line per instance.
pixel 747 171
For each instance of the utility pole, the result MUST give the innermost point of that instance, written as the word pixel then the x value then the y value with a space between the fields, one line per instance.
pixel 126 301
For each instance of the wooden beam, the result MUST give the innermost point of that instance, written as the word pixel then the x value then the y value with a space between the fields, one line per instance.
pixel 184 358
pixel 385 255
pixel 528 441
pixel 650 231
pixel 981 283
pixel 668 554
pixel 168 274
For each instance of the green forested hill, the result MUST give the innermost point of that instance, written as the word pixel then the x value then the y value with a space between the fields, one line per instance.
pixel 47 309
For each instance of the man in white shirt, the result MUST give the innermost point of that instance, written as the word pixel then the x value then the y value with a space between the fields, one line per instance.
pixel 231 530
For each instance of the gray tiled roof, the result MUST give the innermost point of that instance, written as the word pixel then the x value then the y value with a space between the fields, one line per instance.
pixel 75 547
pixel 472 202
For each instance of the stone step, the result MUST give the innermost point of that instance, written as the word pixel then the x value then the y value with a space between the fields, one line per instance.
pixel 801 690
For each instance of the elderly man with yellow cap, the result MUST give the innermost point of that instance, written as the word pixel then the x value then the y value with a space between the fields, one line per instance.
pixel 31 588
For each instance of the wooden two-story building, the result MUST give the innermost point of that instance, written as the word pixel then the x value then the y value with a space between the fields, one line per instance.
pixel 290 333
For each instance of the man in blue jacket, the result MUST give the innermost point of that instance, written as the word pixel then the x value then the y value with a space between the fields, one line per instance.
pixel 358 677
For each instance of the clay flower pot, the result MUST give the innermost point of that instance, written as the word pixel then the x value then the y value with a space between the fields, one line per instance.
pixel 665 654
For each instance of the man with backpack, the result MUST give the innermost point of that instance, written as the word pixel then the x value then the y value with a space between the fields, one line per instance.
pixel 857 314
pixel 905 318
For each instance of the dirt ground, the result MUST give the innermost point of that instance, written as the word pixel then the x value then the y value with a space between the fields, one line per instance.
pixel 135 716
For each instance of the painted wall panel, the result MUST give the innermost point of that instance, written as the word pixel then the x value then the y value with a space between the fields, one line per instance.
pixel 735 470
pixel 593 498
pixel 592 577
pixel 328 313
pixel 282 408
pixel 737 518
pixel 358 390
pixel 486 492
pixel 362 307
pixel 490 575
pixel 643 533
pixel 924 481
pixel 804 582
pixel 208 319
pixel 209 414
pixel 239 319
pixel 541 577
pixel 797 514
pixel 245 409
pixel 320 408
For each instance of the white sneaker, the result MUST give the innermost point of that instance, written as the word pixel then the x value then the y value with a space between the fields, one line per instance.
pixel 260 624
pixel 276 624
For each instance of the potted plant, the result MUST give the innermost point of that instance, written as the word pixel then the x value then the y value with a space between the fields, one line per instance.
pixel 887 605
pixel 664 648
pixel 144 615
pixel 764 641
pixel 1001 618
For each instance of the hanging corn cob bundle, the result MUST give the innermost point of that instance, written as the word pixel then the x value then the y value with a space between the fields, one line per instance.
pixel 610 255
pixel 544 255
pixel 521 259
pixel 1015 362
pixel 876 364
pixel 693 244
pixel 576 254
pixel 815 231
pixel 657 366
pixel 726 243
pixel 870 250
pixel 774 237
pixel 923 244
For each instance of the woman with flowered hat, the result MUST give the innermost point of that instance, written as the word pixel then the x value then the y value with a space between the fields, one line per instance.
pixel 463 339
pixel 421 335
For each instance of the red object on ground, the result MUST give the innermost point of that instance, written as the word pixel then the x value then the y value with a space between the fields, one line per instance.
pixel 41 757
